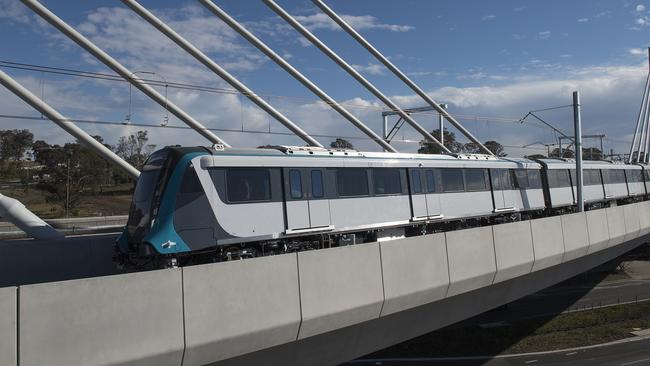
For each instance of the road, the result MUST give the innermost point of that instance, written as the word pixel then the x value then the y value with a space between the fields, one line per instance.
pixel 636 353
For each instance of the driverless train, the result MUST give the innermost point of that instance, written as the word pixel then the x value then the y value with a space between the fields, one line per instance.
pixel 196 205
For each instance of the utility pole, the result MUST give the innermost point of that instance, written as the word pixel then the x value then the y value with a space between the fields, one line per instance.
pixel 441 124
pixel 578 144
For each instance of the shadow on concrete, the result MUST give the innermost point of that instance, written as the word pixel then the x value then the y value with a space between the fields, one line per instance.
pixel 30 261
pixel 495 331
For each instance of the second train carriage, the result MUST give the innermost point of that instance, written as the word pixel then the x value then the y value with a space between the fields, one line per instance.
pixel 233 203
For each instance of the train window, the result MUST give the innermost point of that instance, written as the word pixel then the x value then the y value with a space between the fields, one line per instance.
pixel 591 177
pixel 431 182
pixel 502 179
pixel 613 176
pixel 534 180
pixel 352 182
pixel 558 178
pixel 295 183
pixel 416 181
pixel 248 185
pixel 317 184
pixel 452 180
pixel 190 183
pixel 387 181
pixel 521 179
pixel 647 174
pixel 634 176
pixel 475 179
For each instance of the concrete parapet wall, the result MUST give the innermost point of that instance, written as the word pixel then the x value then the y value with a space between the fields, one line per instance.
pixel 8 326
pixel 472 263
pixel 415 272
pixel 598 230
pixel 238 307
pixel 576 238
pixel 644 218
pixel 134 319
pixel 548 242
pixel 616 225
pixel 513 245
pixel 339 287
pixel 632 223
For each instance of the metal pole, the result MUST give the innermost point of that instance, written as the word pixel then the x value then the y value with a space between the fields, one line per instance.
pixel 65 123
pixel 221 72
pixel 441 124
pixel 15 212
pixel 577 127
pixel 398 73
pixel 641 112
pixel 86 44
pixel 385 127
pixel 232 23
pixel 644 130
pixel 350 70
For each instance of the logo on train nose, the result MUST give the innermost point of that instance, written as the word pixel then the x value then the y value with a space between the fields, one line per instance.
pixel 168 244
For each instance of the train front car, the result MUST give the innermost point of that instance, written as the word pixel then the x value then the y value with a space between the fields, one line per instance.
pixel 150 238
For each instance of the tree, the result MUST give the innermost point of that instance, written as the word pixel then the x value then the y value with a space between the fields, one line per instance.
pixel 14 144
pixel 566 153
pixel 340 143
pixel 428 147
pixel 592 153
pixel 535 156
pixel 495 147
pixel 134 148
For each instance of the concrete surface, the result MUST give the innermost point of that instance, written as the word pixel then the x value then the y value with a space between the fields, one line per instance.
pixel 513 245
pixel 598 230
pixel 576 238
pixel 8 324
pixel 415 271
pixel 644 218
pixel 548 242
pixel 632 223
pixel 339 287
pixel 616 225
pixel 237 307
pixel 472 263
pixel 134 319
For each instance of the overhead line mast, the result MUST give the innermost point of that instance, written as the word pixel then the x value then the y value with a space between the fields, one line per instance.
pixel 641 140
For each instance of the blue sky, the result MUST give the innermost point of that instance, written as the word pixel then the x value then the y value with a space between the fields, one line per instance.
pixel 491 61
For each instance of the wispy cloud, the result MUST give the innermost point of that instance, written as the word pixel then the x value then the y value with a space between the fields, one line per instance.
pixel 544 34
pixel 11 10
pixel 322 21
pixel 636 51
pixel 519 9
pixel 583 20
pixel 370 68
pixel 488 17
pixel 640 8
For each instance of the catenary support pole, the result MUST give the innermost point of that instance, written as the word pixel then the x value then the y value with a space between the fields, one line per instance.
pixel 441 124
pixel 235 25
pixel 641 116
pixel 350 70
pixel 220 71
pixel 98 53
pixel 383 59
pixel 65 123
pixel 577 127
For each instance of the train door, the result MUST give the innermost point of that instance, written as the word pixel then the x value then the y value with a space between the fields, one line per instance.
pixel 306 204
pixel 433 198
pixel 418 196
pixel 297 205
pixel 509 190
pixel 502 189
pixel 319 205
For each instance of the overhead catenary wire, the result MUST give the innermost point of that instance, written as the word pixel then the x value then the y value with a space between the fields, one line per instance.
pixel 226 91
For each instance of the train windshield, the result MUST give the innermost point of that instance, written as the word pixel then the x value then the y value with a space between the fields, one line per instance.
pixel 147 191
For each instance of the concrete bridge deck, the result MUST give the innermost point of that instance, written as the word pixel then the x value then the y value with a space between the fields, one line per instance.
pixel 316 307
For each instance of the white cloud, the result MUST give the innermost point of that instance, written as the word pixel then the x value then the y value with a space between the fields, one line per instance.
pixel 519 9
pixel 488 17
pixel 359 22
pixel 640 8
pixel 370 68
pixel 544 34
pixel 583 20
pixel 635 51
pixel 12 10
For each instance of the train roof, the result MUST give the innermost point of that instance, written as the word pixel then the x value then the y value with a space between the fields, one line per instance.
pixel 587 164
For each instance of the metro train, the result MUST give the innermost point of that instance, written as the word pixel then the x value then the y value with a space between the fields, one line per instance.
pixel 197 205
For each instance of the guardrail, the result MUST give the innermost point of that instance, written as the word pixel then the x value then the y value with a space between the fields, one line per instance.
pixel 215 312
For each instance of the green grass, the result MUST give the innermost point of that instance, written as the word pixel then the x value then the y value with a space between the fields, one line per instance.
pixel 532 335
